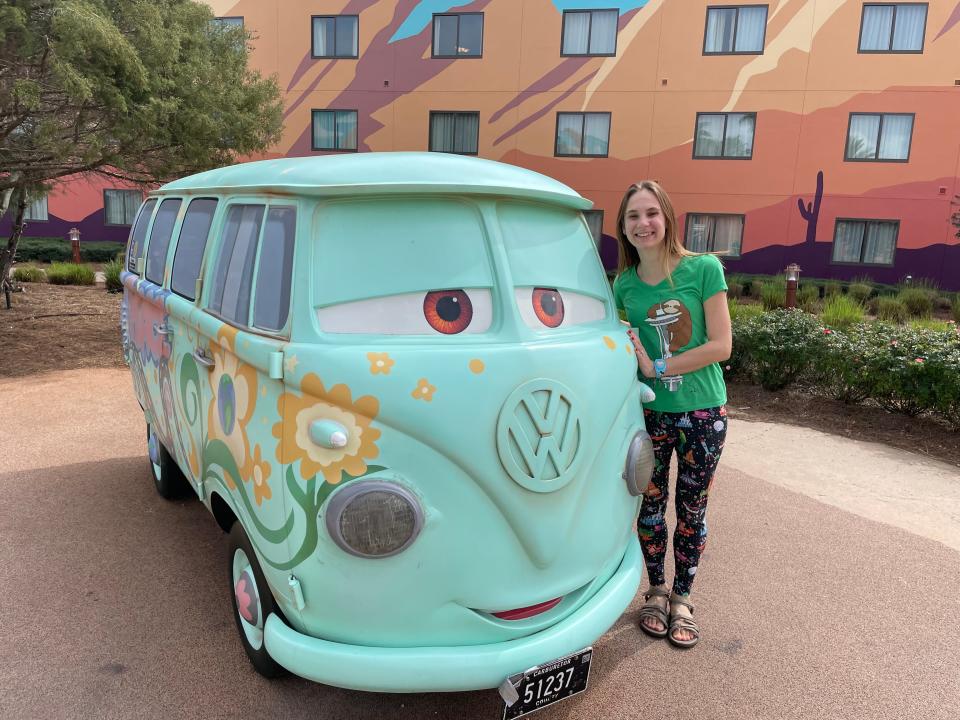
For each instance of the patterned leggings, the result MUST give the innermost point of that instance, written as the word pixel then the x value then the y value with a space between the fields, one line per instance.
pixel 697 437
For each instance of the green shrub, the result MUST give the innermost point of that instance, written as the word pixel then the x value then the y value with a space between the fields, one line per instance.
pixel 917 300
pixel 734 289
pixel 956 309
pixel 832 287
pixel 942 303
pixel 841 311
pixel 807 293
pixel 50 250
pixel 910 370
pixel 742 311
pixel 28 273
pixel 839 369
pixel 772 296
pixel 70 274
pixel 859 291
pixel 112 271
pixel 778 347
pixel 931 324
pixel 890 309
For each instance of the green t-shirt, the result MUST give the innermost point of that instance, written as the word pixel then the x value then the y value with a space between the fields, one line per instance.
pixel 669 320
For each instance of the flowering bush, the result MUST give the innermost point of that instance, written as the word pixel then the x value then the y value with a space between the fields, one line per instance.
pixel 904 369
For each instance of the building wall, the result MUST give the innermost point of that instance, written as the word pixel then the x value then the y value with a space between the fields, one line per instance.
pixel 803 87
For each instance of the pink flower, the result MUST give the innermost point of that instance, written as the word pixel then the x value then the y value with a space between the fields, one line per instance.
pixel 827 331
pixel 893 343
pixel 918 360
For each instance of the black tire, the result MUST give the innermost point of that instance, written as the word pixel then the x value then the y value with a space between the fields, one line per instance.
pixel 242 564
pixel 168 479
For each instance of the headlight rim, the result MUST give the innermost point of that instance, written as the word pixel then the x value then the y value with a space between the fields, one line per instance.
pixel 342 498
pixel 640 439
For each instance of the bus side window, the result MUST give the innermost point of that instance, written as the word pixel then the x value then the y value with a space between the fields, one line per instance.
pixel 138 234
pixel 160 235
pixel 271 303
pixel 233 273
pixel 188 257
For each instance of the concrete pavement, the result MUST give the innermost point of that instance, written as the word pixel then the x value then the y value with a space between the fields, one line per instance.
pixel 828 587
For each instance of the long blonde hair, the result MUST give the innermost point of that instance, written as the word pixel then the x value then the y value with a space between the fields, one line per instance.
pixel 627 255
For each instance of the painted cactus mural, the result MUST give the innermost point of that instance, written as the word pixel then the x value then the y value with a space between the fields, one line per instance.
pixel 811 211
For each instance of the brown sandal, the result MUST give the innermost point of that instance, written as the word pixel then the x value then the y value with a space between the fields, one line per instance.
pixel 682 622
pixel 653 611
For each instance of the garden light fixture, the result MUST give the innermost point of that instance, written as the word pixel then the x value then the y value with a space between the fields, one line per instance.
pixel 793 277
pixel 74 235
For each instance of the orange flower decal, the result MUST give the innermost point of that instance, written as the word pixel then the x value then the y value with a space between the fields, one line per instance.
pixel 319 403
pixel 424 390
pixel 380 363
pixel 261 471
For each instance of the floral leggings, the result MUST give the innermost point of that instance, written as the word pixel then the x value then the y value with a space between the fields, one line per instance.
pixel 697 437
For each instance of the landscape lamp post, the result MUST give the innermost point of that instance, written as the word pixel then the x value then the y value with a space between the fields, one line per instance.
pixel 793 277
pixel 75 244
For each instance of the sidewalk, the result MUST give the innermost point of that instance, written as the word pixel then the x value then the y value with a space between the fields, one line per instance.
pixel 896 487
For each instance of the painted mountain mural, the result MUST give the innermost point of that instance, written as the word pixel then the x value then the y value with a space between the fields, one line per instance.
pixel 824 133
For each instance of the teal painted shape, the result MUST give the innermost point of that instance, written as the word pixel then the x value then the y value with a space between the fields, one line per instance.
pixel 622 6
pixel 379 174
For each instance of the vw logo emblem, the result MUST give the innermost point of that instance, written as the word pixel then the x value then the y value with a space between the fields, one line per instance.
pixel 539 435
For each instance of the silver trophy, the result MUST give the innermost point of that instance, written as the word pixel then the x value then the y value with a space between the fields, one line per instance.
pixel 662 322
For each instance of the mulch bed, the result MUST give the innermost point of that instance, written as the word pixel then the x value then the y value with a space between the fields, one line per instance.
pixel 59 327
pixel 54 327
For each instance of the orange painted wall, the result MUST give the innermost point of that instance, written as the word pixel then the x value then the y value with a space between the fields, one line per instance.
pixel 803 87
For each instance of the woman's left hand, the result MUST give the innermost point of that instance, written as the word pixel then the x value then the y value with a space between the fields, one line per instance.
pixel 643 360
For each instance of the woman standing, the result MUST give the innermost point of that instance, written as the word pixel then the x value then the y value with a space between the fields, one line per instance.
pixel 677 301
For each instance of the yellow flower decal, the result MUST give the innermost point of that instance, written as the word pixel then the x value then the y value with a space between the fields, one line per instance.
pixel 609 342
pixel 318 403
pixel 424 390
pixel 234 388
pixel 380 363
pixel 261 471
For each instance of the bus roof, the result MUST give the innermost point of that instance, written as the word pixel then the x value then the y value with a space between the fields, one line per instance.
pixel 379 174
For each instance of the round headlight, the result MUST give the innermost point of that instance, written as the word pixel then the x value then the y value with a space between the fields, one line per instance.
pixel 373 518
pixel 639 467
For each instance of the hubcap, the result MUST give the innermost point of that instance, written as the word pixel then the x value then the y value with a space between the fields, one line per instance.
pixel 248 599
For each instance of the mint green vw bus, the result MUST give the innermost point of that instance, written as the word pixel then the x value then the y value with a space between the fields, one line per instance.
pixel 399 384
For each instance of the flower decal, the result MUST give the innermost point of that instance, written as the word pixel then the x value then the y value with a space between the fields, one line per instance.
pixel 261 471
pixel 424 390
pixel 234 387
pixel 298 412
pixel 380 363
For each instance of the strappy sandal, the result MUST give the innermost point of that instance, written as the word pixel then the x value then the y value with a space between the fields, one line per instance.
pixel 653 611
pixel 682 622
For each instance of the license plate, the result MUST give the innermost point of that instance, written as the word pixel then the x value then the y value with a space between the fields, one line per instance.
pixel 550 683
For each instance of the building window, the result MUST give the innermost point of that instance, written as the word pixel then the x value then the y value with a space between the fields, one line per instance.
pixel 36 209
pixel 594 220
pixel 879 137
pixel 582 134
pixel 335 130
pixel 893 27
pixel 458 35
pixel 725 135
pixel 865 242
pixel 454 132
pixel 335 36
pixel 722 234
pixel 589 32
pixel 228 22
pixel 735 30
pixel 120 206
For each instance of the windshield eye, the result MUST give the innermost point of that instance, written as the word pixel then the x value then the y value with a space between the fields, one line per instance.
pixel 448 311
pixel 548 306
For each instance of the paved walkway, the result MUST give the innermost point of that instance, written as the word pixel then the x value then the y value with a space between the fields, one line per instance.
pixel 828 587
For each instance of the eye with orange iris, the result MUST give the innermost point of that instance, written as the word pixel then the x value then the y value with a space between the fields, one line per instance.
pixel 548 305
pixel 448 311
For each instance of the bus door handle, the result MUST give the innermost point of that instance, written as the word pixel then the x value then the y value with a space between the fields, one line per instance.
pixel 200 355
